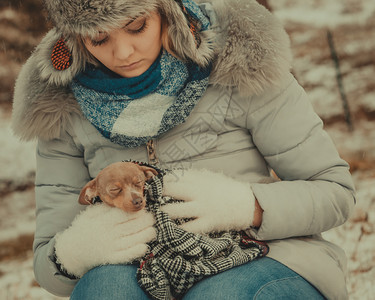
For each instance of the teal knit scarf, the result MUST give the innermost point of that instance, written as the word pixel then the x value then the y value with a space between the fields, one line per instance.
pixel 131 111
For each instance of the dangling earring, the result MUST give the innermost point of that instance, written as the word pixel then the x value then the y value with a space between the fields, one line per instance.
pixel 194 26
pixel 61 57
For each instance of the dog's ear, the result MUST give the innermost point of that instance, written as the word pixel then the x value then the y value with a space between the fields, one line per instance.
pixel 148 171
pixel 88 193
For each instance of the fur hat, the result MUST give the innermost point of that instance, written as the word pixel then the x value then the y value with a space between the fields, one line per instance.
pixel 74 18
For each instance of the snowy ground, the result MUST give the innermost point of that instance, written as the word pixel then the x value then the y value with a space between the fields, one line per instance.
pixel 352 23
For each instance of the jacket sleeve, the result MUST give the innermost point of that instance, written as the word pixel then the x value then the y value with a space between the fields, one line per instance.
pixel 61 173
pixel 316 191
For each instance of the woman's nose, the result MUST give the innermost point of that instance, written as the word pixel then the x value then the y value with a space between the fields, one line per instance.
pixel 122 47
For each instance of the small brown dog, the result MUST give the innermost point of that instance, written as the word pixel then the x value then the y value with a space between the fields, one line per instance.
pixel 120 185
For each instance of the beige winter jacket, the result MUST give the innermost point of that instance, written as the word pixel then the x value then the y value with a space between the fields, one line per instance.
pixel 253 117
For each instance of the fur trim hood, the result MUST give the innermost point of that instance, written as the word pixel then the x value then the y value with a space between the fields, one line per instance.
pixel 82 18
pixel 251 52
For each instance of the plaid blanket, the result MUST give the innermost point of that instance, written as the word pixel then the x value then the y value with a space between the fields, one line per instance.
pixel 178 258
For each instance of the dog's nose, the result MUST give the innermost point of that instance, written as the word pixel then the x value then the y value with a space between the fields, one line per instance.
pixel 137 201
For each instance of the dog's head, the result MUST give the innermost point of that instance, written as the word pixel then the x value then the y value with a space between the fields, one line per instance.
pixel 120 185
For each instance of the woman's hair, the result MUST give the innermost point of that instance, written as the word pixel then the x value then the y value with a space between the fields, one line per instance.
pixel 165 39
pixel 166 42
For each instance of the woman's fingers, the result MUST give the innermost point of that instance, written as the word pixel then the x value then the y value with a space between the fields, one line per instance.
pixel 199 225
pixel 181 210
pixel 126 255
pixel 142 237
pixel 136 224
pixel 178 190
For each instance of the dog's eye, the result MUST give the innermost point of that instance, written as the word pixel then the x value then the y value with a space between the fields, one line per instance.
pixel 115 190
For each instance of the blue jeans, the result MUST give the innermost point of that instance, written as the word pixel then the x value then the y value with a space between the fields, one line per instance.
pixel 263 278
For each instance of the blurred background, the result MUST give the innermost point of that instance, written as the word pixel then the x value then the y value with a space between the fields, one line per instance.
pixel 333 44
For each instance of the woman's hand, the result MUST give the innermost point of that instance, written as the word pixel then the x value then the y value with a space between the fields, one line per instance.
pixel 103 235
pixel 215 202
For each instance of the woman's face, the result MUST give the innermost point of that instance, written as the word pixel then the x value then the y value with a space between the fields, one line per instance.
pixel 129 51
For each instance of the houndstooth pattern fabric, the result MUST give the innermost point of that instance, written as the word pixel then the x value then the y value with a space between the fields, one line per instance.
pixel 178 258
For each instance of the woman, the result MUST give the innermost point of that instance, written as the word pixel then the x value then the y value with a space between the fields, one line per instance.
pixel 182 85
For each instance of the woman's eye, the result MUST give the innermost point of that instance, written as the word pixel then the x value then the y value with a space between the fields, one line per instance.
pixel 98 42
pixel 137 26
pixel 100 39
pixel 134 27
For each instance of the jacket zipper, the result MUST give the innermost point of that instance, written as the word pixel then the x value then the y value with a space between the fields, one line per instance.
pixel 151 152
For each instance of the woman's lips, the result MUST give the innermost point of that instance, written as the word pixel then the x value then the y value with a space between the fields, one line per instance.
pixel 130 66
